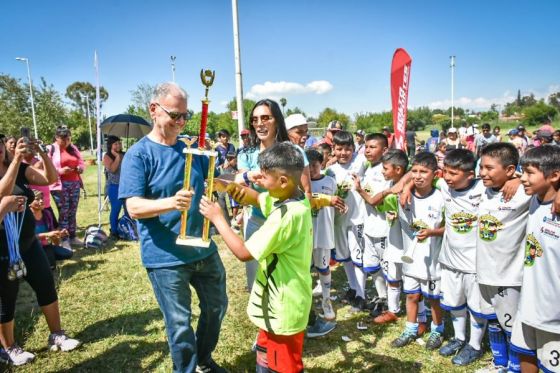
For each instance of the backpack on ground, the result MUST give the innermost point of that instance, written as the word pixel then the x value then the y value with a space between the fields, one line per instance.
pixel 95 237
pixel 126 229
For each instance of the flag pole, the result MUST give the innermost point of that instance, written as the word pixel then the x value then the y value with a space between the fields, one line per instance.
pixel 238 76
pixel 98 136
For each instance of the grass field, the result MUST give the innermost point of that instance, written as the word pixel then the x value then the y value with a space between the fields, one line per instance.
pixel 106 301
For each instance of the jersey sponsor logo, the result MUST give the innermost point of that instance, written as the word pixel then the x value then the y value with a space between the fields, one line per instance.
pixel 462 222
pixel 488 227
pixel 549 233
pixel 533 250
pixel 473 196
pixel 552 221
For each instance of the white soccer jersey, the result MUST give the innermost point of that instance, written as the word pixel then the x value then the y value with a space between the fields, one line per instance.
pixel 423 212
pixel 394 245
pixel 540 292
pixel 458 250
pixel 342 173
pixel 501 230
pixel 323 219
pixel 374 182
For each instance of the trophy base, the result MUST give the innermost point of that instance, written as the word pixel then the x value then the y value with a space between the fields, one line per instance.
pixel 192 242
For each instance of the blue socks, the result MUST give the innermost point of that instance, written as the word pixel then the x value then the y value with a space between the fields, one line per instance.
pixel 498 344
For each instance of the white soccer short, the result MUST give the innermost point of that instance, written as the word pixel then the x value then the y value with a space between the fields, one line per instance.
pixel 374 247
pixel 501 303
pixel 349 242
pixel 428 288
pixel 321 259
pixel 531 341
pixel 459 290
pixel 392 271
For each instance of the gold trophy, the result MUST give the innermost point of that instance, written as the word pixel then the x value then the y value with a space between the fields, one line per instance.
pixel 207 78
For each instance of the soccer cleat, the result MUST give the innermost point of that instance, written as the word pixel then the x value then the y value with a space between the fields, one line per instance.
pixel 349 296
pixel 358 305
pixel 377 307
pixel 422 329
pixel 18 356
pixel 434 341
pixel 467 355
pixel 320 328
pixel 385 318
pixel 492 369
pixel 59 341
pixel 404 339
pixel 210 367
pixel 453 346
pixel 328 311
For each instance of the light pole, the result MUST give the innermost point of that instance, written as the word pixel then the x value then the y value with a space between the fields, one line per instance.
pixel 89 123
pixel 31 93
pixel 452 87
pixel 173 67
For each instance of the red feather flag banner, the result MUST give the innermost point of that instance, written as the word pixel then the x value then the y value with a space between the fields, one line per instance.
pixel 400 79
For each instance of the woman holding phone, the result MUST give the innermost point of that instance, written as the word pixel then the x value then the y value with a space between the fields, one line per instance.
pixel 69 165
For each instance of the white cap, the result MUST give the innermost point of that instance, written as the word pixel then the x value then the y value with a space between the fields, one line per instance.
pixel 294 120
pixel 452 130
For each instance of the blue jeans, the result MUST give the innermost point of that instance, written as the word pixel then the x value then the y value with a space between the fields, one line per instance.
pixel 172 290
pixel 116 205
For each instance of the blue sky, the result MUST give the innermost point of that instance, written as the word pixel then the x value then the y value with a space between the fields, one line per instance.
pixel 317 54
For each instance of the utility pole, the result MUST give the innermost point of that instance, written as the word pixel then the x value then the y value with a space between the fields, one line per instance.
pixel 452 88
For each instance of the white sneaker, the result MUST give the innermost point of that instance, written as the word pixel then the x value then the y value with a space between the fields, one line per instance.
pixel 59 341
pixel 18 356
pixel 318 290
pixel 76 242
pixel 328 311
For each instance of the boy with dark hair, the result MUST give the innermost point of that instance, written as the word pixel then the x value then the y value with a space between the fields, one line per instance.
pixel 369 260
pixel 280 299
pixel 421 223
pixel 484 138
pixel 536 330
pixel 349 226
pixel 323 229
pixel 499 253
pixel 394 163
pixel 459 289
pixel 224 146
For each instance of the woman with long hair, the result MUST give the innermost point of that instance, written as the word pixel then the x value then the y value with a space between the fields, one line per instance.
pixel 15 178
pixel 112 162
pixel 66 191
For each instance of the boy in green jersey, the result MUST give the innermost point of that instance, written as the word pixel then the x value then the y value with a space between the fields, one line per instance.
pixel 280 299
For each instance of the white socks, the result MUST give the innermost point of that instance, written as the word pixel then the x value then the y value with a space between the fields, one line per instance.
pixel 380 284
pixel 393 299
pixel 361 277
pixel 325 285
pixel 478 326
pixel 350 274
pixel 459 319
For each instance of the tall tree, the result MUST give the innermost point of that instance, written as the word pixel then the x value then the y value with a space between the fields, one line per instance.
pixel 15 107
pixel 49 109
pixel 78 90
pixel 329 114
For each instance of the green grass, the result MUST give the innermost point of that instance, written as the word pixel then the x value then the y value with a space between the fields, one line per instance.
pixel 106 301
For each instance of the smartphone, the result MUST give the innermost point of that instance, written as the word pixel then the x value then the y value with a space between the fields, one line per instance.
pixel 25 135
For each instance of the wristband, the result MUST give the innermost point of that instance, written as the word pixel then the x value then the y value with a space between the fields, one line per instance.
pixel 246 178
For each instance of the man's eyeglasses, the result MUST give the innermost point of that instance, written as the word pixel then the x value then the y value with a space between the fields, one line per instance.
pixel 174 114
pixel 263 118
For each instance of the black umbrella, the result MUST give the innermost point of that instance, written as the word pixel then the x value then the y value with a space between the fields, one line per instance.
pixel 126 125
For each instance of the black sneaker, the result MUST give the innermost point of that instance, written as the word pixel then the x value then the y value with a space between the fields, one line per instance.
pixel 210 367
pixel 434 341
pixel 451 347
pixel 467 355
pixel 349 296
pixel 404 339
pixel 358 305
pixel 378 307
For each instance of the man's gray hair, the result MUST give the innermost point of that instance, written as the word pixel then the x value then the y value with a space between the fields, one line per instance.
pixel 163 90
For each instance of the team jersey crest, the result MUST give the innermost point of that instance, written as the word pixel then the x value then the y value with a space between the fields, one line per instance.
pixel 462 222
pixel 489 227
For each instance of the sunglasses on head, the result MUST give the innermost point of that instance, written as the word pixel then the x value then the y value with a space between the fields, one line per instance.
pixel 174 114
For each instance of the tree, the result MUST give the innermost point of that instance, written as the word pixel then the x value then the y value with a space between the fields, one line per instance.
pixel 76 92
pixel 554 100
pixel 373 122
pixel 295 110
pixel 50 111
pixel 15 107
pixel 539 113
pixel 141 97
pixel 247 107
pixel 329 114
pixel 283 102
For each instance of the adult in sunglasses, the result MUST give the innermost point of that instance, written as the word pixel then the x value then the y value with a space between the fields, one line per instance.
pixel 151 182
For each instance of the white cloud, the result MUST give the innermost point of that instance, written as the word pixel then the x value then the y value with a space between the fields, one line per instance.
pixel 276 90
pixel 483 103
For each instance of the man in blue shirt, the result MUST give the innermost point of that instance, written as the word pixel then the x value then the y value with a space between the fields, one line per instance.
pixel 152 184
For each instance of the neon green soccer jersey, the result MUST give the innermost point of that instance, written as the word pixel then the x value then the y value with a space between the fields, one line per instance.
pixel 281 297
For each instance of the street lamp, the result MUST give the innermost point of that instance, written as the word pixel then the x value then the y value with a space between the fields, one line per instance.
pixel 173 67
pixel 89 122
pixel 26 60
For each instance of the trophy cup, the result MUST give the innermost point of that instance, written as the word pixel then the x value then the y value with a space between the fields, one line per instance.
pixel 207 78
